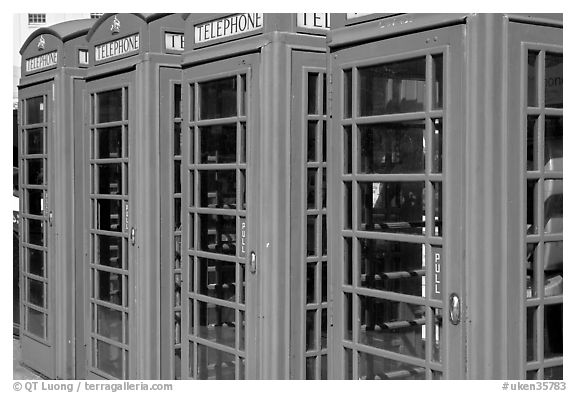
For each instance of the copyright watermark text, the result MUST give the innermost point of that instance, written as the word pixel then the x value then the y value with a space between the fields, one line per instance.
pixel 89 386
pixel 536 386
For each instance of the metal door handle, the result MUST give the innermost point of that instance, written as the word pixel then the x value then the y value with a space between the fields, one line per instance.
pixel 252 264
pixel 454 309
pixel 50 218
pixel 133 236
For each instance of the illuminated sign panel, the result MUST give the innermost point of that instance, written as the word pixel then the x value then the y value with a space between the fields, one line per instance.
pixel 116 48
pixel 174 41
pixel 228 27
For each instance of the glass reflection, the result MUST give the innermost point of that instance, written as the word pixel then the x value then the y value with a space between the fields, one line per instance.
pixel 553 268
pixel 35 141
pixel 35 110
pixel 109 251
pixel 397 87
pixel 218 144
pixel 109 142
pixel 36 323
pixel 110 106
pixel 36 292
pixel 217 279
pixel 553 332
pixel 218 233
pixel 392 207
pixel 217 323
pixel 35 171
pixel 553 80
pixel 109 323
pixel 553 211
pixel 109 215
pixel 110 287
pixel 218 189
pixel 393 326
pixel 532 81
pixel 217 98
pixel 392 266
pixel 35 262
pixel 392 147
pixel 553 143
pixel 109 359
pixel 35 202
pixel 375 367
pixel 214 364
pixel 109 179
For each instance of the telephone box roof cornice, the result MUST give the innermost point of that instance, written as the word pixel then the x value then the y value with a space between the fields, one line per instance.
pixel 145 17
pixel 64 31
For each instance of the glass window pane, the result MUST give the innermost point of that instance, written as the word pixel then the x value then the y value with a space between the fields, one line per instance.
pixel 243 95
pixel 393 326
pixel 218 189
pixel 532 78
pixel 437 146
pixel 218 233
pixel 375 367
pixel 177 139
pixel 437 206
pixel 177 100
pixel 347 94
pixel 311 282
pixel 397 87
pixel 36 292
pixel 109 179
pixel 109 323
pixel 553 85
pixel 347 316
pixel 312 137
pixel 312 93
pixel 177 177
pixel 217 323
pixel 553 269
pixel 553 143
pixel 109 359
pixel 392 207
pixel 35 110
pixel 109 106
pixel 35 199
pixel 217 98
pixel 109 215
pixel 348 363
pixel 553 211
pixel 532 374
pixel 311 343
pixel 553 344
pixel 438 81
pixel 311 198
pixel 347 154
pixel 531 333
pixel 392 147
pixel 36 323
pixel 555 373
pixel 110 287
pixel 531 270
pixel 217 279
pixel 35 171
pixel 109 142
pixel 311 367
pixel 35 262
pixel 35 232
pixel 35 141
pixel 214 364
pixel 348 205
pixel 532 144
pixel 532 206
pixel 311 235
pixel 392 266
pixel 218 144
pixel 347 261
pixel 109 251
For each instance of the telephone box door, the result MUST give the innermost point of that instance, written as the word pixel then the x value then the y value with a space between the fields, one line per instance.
pixel 396 213
pixel 220 265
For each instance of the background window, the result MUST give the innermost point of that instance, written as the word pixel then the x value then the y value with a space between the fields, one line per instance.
pixel 34 19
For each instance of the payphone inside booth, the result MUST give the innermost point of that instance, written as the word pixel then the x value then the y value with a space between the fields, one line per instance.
pixel 52 76
pixel 253 88
pixel 130 89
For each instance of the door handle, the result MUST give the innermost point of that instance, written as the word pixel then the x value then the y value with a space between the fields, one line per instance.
pixel 133 236
pixel 454 309
pixel 252 263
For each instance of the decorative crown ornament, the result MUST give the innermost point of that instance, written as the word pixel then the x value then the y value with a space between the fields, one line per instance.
pixel 115 28
pixel 41 43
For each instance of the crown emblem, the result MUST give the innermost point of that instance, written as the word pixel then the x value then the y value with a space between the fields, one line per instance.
pixel 41 43
pixel 115 28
